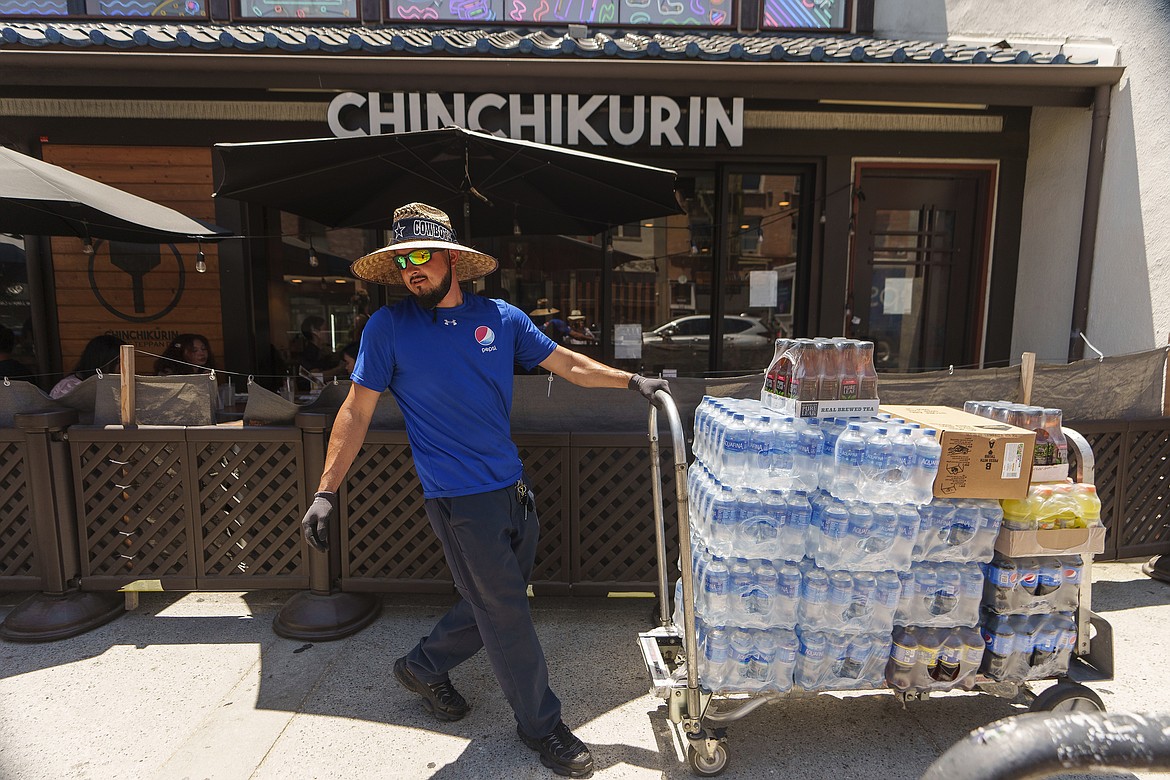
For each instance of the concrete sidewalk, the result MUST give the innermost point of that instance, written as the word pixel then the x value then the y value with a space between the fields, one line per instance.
pixel 198 686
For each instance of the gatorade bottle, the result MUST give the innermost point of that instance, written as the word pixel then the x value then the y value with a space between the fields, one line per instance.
pixel 1065 508
pixel 1043 507
pixel 1088 505
pixel 1017 513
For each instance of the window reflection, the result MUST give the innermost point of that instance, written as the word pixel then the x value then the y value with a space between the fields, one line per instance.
pixel 317 307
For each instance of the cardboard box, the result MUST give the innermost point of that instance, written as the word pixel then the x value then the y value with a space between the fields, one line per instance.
pixel 794 408
pixel 1057 541
pixel 981 458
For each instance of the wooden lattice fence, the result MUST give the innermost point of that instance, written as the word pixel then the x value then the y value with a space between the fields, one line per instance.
pixel 1133 481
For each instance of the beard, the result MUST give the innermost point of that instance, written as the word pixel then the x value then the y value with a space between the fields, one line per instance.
pixel 429 300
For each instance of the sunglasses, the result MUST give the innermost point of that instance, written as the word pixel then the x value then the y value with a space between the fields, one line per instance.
pixel 417 257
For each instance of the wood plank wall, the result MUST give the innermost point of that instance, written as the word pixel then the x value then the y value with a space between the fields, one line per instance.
pixel 173 302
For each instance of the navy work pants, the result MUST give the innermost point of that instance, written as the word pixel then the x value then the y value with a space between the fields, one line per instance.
pixel 490 543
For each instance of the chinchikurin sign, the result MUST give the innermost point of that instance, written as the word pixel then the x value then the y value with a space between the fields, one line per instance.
pixel 571 120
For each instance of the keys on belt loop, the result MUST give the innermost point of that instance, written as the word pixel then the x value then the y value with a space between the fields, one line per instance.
pixel 523 496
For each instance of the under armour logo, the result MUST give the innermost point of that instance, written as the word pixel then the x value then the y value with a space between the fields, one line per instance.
pixel 450 322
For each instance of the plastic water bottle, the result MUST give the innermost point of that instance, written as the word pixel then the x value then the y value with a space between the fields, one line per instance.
pixel 909 521
pixel 714 595
pixel 840 599
pixel 734 456
pixel 814 597
pixel 759 458
pixel 850 453
pixel 764 593
pixel 810 443
pixel 833 532
pixel 810 660
pixel 724 521
pixel 787 595
pixel 800 523
pixel 875 463
pixel 785 543
pixel 740 658
pixel 857 655
pixel 831 428
pixel 740 584
pixel 857 534
pixel 787 647
pixel 756 532
pixel 929 453
pixel 903 459
pixel 990 520
pixel 880 550
pixel 716 653
pixel 782 471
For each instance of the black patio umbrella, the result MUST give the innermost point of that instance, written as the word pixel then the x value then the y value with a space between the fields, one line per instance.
pixel 506 185
pixel 41 199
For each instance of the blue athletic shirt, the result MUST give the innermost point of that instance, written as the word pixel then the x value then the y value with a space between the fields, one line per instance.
pixel 451 373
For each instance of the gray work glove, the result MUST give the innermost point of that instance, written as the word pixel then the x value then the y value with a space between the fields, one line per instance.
pixel 648 386
pixel 315 525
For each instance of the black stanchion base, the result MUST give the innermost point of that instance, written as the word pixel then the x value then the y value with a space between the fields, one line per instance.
pixel 47 618
pixel 318 618
pixel 1158 567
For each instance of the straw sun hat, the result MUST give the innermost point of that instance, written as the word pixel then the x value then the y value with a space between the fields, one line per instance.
pixel 543 309
pixel 419 226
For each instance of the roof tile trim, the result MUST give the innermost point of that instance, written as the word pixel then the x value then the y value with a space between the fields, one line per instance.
pixel 472 42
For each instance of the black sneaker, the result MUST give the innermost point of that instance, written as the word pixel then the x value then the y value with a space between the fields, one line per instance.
pixel 561 752
pixel 441 698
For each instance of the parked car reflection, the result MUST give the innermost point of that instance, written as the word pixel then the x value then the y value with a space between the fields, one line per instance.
pixel 684 343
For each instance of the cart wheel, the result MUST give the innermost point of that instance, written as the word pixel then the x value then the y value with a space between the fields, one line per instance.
pixel 1067 697
pixel 704 767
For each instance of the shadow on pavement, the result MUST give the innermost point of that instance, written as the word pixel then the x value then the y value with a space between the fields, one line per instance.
pixel 1113 595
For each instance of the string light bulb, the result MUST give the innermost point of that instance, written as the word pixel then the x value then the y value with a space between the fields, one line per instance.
pixel 200 260
pixel 313 260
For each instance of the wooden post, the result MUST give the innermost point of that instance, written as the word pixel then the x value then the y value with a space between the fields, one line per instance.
pixel 1166 388
pixel 1027 373
pixel 129 418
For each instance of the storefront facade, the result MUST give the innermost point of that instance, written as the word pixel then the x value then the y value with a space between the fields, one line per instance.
pixel 828 185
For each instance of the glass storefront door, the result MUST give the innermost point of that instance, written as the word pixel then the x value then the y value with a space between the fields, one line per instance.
pixel 919 266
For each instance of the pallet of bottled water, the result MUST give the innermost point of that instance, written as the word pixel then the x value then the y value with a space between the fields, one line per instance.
pixel 1033 586
pixel 812 539
pixel 753 660
pixel 878 459
pixel 933 659
pixel 1028 647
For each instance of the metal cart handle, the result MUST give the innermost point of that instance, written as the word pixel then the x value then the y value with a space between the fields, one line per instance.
pixel 1042 744
pixel 663 401
pixel 1086 463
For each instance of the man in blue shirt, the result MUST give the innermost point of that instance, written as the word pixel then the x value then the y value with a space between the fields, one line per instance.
pixel 447 358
